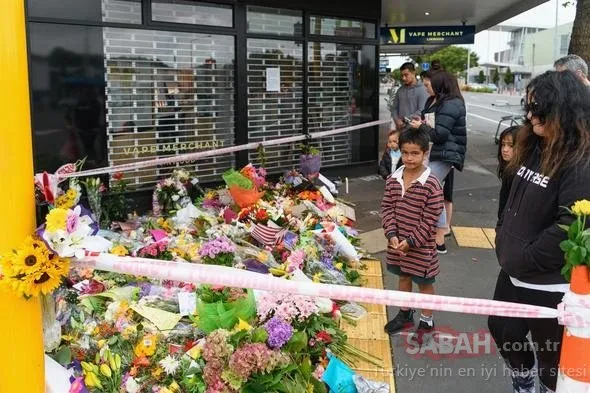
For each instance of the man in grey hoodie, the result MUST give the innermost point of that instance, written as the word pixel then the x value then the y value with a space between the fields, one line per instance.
pixel 410 98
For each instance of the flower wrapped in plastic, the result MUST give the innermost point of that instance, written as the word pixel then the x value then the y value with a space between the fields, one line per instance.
pixel 244 197
pixel 222 308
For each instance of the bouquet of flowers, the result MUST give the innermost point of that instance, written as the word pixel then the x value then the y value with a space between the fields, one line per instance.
pixel 218 251
pixel 173 193
pixel 222 307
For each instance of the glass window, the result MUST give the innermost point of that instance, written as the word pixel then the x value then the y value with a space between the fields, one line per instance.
pixel 191 12
pixel 88 10
pixel 275 21
pixel 121 11
pixel 275 98
pixel 67 95
pixel 169 93
pixel 341 27
pixel 341 93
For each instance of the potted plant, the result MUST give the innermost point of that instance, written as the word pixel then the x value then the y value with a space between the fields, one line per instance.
pixel 310 161
pixel 577 245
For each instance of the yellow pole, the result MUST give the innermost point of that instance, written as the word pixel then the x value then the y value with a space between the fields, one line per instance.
pixel 21 339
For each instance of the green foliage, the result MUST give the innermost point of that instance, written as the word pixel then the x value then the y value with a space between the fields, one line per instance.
pixel 495 76
pixel 481 78
pixel 308 149
pixel 114 205
pixel 452 58
pixel 397 75
pixel 508 77
pixel 577 246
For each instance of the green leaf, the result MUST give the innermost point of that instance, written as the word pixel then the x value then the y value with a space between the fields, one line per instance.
pixel 564 227
pixel 574 257
pixel 573 230
pixel 566 245
pixel 63 356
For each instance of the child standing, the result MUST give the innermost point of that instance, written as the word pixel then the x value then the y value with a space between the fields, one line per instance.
pixel 505 154
pixel 392 156
pixel 411 206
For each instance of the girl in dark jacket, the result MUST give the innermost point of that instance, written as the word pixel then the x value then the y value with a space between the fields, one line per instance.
pixel 551 169
pixel 444 119
pixel 505 154
pixel 391 159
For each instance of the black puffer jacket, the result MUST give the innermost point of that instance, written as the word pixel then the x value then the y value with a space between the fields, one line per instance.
pixel 449 135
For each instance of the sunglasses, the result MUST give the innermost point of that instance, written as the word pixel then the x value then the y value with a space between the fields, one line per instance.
pixel 534 107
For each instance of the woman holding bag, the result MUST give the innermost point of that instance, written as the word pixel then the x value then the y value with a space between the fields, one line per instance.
pixel 443 118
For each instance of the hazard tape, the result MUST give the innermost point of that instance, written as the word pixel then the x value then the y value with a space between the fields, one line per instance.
pixel 231 277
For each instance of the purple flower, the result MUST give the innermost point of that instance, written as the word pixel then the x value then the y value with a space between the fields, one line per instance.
pixel 279 332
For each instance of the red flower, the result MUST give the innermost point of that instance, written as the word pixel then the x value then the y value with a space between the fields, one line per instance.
pixel 261 215
pixel 324 337
pixel 118 176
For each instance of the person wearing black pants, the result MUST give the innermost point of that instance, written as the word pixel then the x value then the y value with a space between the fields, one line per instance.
pixel 511 338
pixel 550 170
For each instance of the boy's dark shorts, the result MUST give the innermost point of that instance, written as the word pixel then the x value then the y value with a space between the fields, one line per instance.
pixel 418 280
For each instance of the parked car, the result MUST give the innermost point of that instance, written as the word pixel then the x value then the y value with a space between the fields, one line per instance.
pixel 522 101
pixel 492 86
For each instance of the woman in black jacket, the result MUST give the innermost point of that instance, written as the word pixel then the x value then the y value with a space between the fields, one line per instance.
pixel 443 118
pixel 551 169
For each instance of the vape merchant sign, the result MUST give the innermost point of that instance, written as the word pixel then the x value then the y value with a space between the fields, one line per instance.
pixel 427 35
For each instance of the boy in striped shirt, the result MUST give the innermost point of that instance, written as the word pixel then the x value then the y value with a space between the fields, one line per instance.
pixel 412 203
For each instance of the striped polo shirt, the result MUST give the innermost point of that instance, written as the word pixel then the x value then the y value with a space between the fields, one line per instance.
pixel 412 214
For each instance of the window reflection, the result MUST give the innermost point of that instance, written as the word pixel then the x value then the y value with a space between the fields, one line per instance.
pixel 341 89
pixel 67 87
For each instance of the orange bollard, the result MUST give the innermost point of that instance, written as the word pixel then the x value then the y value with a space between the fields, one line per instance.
pixel 574 363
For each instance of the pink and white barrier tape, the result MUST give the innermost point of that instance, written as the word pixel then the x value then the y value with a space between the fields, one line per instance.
pixel 224 150
pixel 219 275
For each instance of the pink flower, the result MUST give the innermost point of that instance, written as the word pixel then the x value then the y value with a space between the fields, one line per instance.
pixel 72 221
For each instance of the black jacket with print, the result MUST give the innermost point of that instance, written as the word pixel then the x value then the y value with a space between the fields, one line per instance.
pixel 528 236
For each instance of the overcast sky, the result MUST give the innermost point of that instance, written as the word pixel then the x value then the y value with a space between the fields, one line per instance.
pixel 486 42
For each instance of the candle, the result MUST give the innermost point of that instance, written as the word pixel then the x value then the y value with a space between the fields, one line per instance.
pixel 346 181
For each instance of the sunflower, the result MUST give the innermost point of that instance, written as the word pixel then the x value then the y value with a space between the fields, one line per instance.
pixel 56 219
pixel 41 283
pixel 61 265
pixel 30 259
pixel 7 265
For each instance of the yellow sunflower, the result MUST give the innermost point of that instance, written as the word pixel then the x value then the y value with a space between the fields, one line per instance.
pixel 56 219
pixel 30 260
pixel 61 265
pixel 7 265
pixel 41 283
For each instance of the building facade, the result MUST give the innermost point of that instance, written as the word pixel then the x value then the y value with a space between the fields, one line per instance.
pixel 119 81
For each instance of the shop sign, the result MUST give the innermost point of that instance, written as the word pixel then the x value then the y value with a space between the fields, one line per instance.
pixel 427 35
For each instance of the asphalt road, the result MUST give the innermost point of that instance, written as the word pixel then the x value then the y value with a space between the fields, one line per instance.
pixel 473 365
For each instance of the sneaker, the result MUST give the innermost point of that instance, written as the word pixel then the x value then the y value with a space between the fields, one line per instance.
pixel 423 333
pixel 441 249
pixel 403 320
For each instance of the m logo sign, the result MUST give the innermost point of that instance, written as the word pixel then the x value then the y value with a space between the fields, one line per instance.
pixel 398 36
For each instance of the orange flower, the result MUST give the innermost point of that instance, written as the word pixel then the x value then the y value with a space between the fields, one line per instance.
pixel 309 195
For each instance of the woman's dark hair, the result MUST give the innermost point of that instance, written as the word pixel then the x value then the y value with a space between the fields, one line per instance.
pixel 562 104
pixel 417 137
pixel 445 85
pixel 511 132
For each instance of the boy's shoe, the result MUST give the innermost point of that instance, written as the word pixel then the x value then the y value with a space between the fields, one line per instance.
pixel 423 333
pixel 441 249
pixel 403 320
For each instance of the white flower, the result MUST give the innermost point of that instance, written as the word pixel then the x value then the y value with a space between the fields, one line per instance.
pixel 175 197
pixel 131 386
pixel 169 364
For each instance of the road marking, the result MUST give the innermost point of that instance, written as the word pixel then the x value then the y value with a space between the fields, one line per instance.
pixel 495 110
pixel 370 178
pixel 483 118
